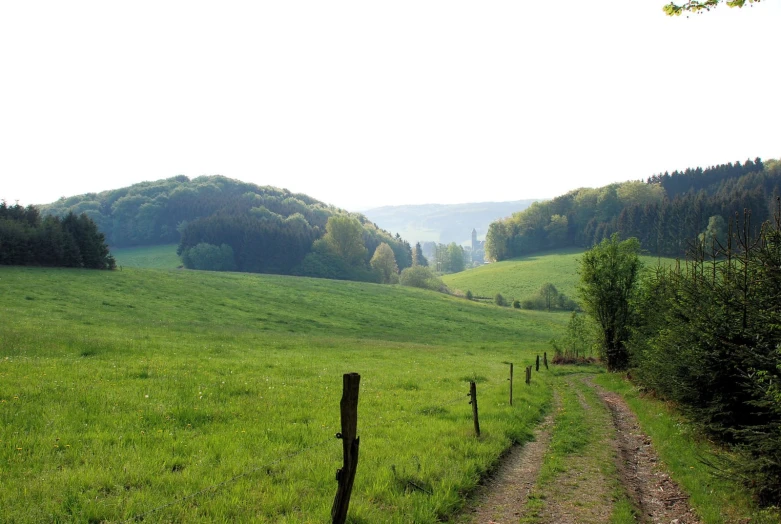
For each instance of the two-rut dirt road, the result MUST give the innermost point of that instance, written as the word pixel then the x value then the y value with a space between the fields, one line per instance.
pixel 589 462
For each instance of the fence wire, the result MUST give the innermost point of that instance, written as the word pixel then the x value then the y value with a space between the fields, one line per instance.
pixel 214 488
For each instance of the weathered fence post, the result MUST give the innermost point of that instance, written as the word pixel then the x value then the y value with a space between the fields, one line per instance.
pixel 538 364
pixel 545 359
pixel 511 383
pixel 346 475
pixel 528 375
pixel 473 396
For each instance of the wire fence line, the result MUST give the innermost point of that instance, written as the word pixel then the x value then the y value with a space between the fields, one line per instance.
pixel 214 488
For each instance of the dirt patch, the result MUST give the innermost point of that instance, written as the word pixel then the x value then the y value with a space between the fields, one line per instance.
pixel 655 495
pixel 501 498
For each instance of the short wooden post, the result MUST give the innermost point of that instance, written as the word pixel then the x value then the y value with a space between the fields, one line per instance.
pixel 537 368
pixel 511 384
pixel 350 442
pixel 473 401
pixel 528 375
pixel 545 359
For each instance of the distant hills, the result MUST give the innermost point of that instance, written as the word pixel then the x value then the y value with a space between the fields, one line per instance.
pixel 443 223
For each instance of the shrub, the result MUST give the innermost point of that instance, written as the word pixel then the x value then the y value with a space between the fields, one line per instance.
pixel 469 295
pixel 517 304
pixel 209 257
pixel 422 277
pixel 499 300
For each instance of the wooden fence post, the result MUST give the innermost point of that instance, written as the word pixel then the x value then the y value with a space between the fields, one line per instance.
pixel 511 383
pixel 528 375
pixel 545 359
pixel 538 364
pixel 473 395
pixel 346 475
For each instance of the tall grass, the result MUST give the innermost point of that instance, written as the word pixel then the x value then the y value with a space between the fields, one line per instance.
pixel 212 396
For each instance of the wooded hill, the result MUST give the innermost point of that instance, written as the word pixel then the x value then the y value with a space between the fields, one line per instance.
pixel 226 224
pixel 666 212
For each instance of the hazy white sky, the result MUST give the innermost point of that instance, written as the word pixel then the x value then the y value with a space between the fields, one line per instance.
pixel 363 103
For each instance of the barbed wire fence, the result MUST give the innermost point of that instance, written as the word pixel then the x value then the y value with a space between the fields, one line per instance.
pixel 216 487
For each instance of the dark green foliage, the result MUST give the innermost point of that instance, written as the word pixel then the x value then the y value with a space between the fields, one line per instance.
pixel 209 257
pixel 663 214
pixel 270 230
pixel 27 239
pixel 608 285
pixel 417 256
pixel 499 300
pixel 711 341
pixel 517 304
pixel 469 295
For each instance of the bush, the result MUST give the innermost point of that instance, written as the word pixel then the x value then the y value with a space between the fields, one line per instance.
pixel 469 295
pixel 517 304
pixel 422 277
pixel 209 257
pixel 499 300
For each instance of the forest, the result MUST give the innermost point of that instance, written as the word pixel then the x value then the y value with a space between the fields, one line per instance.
pixel 704 334
pixel 663 212
pixel 225 224
pixel 27 238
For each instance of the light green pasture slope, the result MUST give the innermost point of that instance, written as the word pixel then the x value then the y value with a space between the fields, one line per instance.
pixel 151 257
pixel 183 396
pixel 522 277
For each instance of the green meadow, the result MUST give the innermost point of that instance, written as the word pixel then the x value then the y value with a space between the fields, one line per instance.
pixel 153 257
pixel 522 277
pixel 174 395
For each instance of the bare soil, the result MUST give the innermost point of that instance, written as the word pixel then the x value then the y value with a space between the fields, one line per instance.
pixel 582 494
pixel 501 498
pixel 655 495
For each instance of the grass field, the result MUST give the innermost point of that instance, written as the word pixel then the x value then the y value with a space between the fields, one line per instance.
pixel 151 257
pixel 175 395
pixel 522 277
pixel 181 395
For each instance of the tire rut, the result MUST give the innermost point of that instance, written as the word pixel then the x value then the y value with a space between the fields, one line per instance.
pixel 656 496
pixel 501 499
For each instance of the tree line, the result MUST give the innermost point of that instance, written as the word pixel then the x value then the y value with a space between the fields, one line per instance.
pixel 28 238
pixel 228 225
pixel 705 334
pixel 661 212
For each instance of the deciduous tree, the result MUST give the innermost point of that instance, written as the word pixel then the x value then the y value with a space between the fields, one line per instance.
pixel 384 262
pixel 608 282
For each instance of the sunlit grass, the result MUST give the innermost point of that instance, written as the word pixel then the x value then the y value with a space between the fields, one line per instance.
pixel 122 392
pixel 151 257
pixel 522 277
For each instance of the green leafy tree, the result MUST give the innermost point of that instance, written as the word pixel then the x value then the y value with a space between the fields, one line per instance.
pixel 344 235
pixel 384 263
pixel 715 232
pixel 608 282
pixel 549 294
pixel 694 6
pixel 209 257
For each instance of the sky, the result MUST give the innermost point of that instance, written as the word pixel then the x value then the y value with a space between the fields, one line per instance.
pixel 363 104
